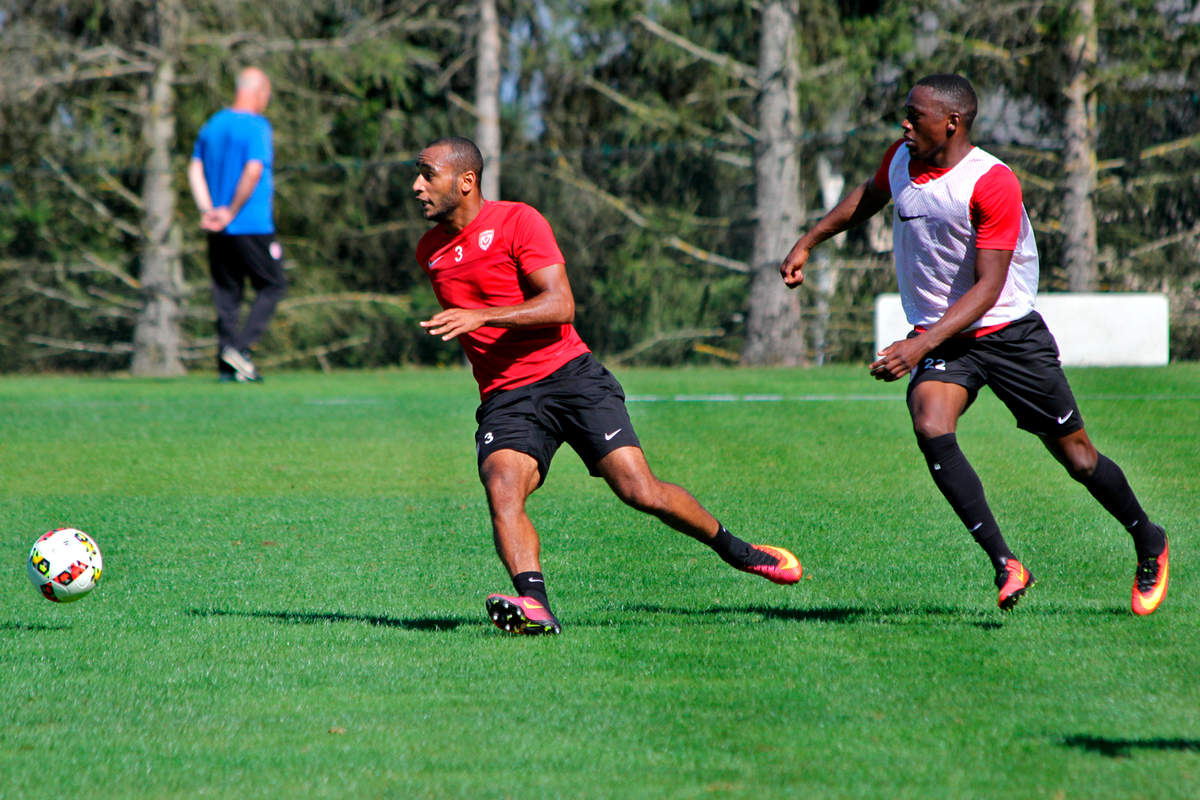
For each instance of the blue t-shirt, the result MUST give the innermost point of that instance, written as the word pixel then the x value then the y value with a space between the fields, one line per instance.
pixel 226 142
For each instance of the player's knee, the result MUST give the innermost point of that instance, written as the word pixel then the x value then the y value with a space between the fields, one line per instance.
pixel 506 490
pixel 1081 465
pixel 644 495
pixel 927 428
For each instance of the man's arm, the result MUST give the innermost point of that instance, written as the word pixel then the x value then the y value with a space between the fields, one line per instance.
pixel 991 271
pixel 552 303
pixel 199 185
pixel 854 209
pixel 220 217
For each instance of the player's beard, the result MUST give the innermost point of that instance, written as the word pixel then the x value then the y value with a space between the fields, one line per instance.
pixel 441 209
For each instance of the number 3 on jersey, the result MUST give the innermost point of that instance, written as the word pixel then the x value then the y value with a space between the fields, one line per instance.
pixel 458 254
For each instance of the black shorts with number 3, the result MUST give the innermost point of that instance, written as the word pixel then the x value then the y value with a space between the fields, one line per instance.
pixel 580 403
pixel 1020 362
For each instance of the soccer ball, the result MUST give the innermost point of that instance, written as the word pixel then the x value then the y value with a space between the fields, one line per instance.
pixel 65 564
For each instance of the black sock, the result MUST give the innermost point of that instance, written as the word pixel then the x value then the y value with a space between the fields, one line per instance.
pixel 1108 485
pixel 736 552
pixel 960 485
pixel 531 584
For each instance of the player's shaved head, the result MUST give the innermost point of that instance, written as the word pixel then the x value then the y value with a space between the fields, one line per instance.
pixel 252 90
pixel 252 78
pixel 462 155
pixel 956 93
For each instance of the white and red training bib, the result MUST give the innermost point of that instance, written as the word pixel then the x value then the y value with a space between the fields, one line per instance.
pixel 941 217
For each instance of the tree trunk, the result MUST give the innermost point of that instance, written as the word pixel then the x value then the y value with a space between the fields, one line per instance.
pixel 156 336
pixel 824 276
pixel 1079 155
pixel 773 326
pixel 487 97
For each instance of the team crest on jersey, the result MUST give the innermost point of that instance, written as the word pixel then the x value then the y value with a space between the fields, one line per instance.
pixel 485 239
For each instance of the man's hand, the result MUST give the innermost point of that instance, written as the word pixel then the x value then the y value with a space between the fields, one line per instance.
pixel 899 359
pixel 792 268
pixel 216 220
pixel 454 322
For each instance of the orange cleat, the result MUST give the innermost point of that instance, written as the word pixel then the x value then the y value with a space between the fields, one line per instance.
pixel 786 569
pixel 521 615
pixel 1150 582
pixel 1012 581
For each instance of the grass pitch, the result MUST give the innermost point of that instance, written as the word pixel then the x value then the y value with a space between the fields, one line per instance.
pixel 292 602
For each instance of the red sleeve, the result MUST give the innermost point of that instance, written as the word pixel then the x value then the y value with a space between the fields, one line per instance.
pixel 533 241
pixel 996 209
pixel 881 175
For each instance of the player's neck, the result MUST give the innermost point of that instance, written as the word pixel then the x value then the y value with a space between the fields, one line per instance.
pixel 949 156
pixel 464 215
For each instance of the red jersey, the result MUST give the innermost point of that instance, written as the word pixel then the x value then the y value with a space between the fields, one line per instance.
pixel 483 266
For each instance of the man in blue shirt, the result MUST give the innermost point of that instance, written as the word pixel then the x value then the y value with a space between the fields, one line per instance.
pixel 232 183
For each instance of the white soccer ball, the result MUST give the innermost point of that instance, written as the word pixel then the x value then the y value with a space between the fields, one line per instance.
pixel 65 564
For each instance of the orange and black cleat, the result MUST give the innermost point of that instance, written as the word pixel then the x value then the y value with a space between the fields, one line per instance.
pixel 1150 582
pixel 1012 581
pixel 521 615
pixel 786 569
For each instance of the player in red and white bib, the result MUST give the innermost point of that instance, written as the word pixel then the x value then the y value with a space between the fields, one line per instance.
pixel 500 277
pixel 967 268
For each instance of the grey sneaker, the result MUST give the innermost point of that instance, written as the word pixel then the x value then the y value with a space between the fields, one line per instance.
pixel 241 363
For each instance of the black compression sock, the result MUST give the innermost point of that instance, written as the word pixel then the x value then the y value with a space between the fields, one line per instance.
pixel 1108 485
pixel 531 584
pixel 961 487
pixel 736 552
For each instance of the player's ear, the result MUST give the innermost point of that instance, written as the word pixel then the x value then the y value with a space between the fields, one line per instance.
pixel 953 121
pixel 467 181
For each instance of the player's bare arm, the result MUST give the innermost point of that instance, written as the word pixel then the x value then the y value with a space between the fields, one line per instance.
pixel 991 271
pixel 552 303
pixel 199 186
pixel 218 218
pixel 854 209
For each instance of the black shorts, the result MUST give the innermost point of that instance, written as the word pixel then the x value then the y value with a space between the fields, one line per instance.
pixel 1020 363
pixel 580 403
pixel 235 258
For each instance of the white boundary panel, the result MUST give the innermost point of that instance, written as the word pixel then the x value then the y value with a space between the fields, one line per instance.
pixel 1097 330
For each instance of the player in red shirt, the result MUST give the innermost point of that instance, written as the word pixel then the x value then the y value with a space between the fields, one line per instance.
pixel 499 275
pixel 967 268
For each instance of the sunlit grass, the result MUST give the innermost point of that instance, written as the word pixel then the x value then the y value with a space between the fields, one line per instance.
pixel 292 600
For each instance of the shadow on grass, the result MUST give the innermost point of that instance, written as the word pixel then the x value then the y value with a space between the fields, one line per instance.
pixel 320 618
pixel 841 616
pixel 990 619
pixel 33 626
pixel 1123 748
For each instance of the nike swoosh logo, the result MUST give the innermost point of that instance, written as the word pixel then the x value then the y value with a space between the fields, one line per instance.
pixel 433 261
pixel 1061 420
pixel 608 436
pixel 786 559
pixel 910 219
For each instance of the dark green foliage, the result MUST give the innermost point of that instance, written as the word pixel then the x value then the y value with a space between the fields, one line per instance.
pixel 638 150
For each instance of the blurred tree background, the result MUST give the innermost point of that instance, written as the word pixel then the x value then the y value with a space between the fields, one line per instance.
pixel 672 145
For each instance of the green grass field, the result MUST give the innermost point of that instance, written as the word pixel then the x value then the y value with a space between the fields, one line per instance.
pixel 292 604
